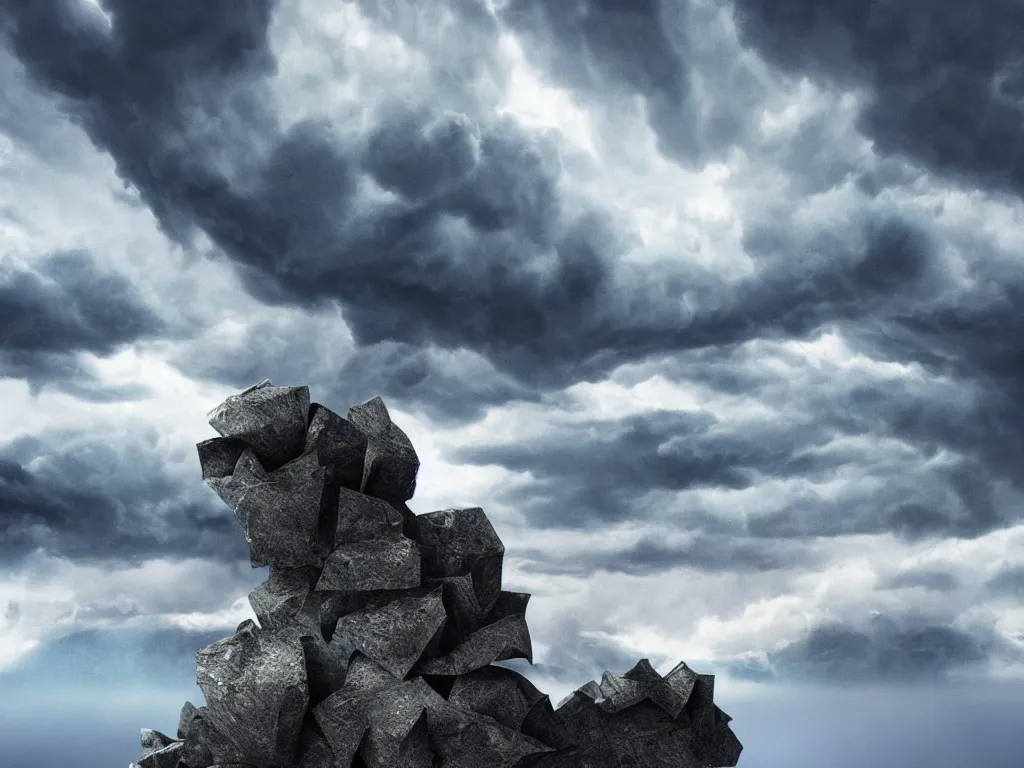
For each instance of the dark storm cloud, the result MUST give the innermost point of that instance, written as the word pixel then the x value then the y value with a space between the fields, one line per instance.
pixel 1008 582
pixel 32 121
pixel 707 552
pixel 93 500
pixel 889 651
pixel 979 343
pixel 481 255
pixel 600 471
pixel 65 305
pixel 450 386
pixel 455 387
pixel 625 46
pixel 939 581
pixel 945 80
pixel 593 474
pixel 69 304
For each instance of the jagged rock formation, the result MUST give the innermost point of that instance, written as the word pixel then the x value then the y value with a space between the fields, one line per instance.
pixel 378 627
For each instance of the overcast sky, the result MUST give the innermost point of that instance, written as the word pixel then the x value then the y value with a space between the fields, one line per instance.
pixel 717 309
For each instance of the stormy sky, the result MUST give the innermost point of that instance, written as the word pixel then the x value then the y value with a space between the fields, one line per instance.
pixel 716 308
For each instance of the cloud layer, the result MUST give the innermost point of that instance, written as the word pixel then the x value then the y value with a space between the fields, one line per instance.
pixel 715 309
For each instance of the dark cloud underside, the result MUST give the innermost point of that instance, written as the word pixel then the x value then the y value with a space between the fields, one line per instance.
pixel 945 80
pixel 65 305
pixel 480 255
pixel 99 500
pixel 887 651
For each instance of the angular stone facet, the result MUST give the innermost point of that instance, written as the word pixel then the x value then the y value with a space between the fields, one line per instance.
pixel 270 420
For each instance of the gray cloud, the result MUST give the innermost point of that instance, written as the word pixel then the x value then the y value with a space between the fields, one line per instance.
pixel 710 553
pixel 939 581
pixel 601 471
pixel 1007 582
pixel 888 650
pixel 946 82
pixel 482 256
pixel 606 49
pixel 93 500
pixel 66 305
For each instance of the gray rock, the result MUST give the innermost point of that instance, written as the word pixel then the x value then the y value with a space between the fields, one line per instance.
pixel 681 680
pixel 497 692
pixel 313 751
pixel 343 717
pixel 391 462
pixel 371 564
pixel 256 692
pixel 464 613
pixel 165 757
pixel 507 638
pixel 188 712
pixel 655 688
pixel 337 443
pixel 362 517
pixel 270 420
pixel 218 456
pixel 398 731
pixel 327 664
pixel 199 739
pixel 461 541
pixel 395 635
pixel 279 599
pixel 469 740
pixel 247 473
pixel 282 514
pixel 155 740
pixel 335 605
pixel 509 604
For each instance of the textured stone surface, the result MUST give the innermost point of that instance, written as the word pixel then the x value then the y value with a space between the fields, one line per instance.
pixel 396 634
pixel 282 515
pixel 379 628
pixel 507 638
pixel 363 517
pixel 372 564
pixel 501 693
pixel 219 455
pixel 313 751
pixel 165 757
pixel 391 461
pixel 256 692
pixel 460 541
pixel 277 600
pixel 337 443
pixel 270 420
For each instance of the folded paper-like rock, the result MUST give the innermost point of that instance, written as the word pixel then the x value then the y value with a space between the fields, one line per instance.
pixel 379 628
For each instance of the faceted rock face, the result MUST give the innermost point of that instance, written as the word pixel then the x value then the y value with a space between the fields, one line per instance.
pixel 395 635
pixel 337 443
pixel 270 420
pixel 372 564
pixel 391 462
pixel 256 692
pixel 362 517
pixel 379 628
pixel 279 599
pixel 463 541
